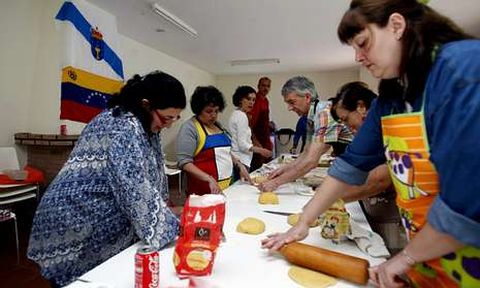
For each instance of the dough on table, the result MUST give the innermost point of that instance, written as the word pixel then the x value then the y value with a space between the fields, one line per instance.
pixel 293 219
pixel 268 198
pixel 309 278
pixel 259 179
pixel 251 225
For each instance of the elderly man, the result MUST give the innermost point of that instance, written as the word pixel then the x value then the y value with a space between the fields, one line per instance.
pixel 323 131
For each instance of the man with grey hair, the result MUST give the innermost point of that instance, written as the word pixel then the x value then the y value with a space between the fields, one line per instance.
pixel 323 131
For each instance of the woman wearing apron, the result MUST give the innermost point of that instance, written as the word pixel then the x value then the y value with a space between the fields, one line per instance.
pixel 425 127
pixel 203 146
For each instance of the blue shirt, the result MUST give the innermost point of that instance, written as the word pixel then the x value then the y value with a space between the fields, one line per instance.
pixel 452 120
pixel 111 189
pixel 300 132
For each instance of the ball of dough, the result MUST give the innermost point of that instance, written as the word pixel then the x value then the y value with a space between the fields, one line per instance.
pixel 293 219
pixel 309 278
pixel 259 179
pixel 268 198
pixel 198 259
pixel 251 225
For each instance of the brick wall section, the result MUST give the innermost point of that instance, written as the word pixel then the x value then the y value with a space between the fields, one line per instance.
pixel 47 152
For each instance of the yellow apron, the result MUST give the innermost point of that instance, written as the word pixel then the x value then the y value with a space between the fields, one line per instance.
pixel 416 182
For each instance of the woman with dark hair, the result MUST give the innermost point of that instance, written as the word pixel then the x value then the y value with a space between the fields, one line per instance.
pixel 203 145
pixel 424 126
pixel 112 190
pixel 242 145
pixel 351 104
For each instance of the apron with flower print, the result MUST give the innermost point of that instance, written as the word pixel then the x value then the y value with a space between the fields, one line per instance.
pixel 416 183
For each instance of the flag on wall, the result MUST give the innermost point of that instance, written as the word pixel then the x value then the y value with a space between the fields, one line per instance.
pixel 91 68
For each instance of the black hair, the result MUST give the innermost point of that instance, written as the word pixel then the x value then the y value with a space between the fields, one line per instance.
pixel 350 94
pixel 160 89
pixel 240 93
pixel 204 96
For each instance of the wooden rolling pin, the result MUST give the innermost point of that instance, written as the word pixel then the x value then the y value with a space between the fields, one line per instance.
pixel 336 264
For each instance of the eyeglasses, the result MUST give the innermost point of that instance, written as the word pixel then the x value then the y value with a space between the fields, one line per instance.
pixel 167 118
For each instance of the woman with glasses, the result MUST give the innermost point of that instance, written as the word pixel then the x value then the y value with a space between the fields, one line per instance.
pixel 203 145
pixel 425 127
pixel 112 191
pixel 351 106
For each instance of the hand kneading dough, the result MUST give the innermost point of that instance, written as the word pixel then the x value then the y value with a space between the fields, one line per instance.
pixel 251 226
pixel 309 278
pixel 259 179
pixel 293 219
pixel 268 198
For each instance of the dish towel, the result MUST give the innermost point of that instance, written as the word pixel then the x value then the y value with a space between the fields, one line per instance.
pixel 368 241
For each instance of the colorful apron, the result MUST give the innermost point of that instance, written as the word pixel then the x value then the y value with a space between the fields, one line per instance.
pixel 416 182
pixel 212 156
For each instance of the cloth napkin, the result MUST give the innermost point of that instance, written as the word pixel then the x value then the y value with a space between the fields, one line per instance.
pixel 368 241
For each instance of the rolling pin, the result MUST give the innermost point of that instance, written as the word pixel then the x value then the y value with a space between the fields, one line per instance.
pixel 336 264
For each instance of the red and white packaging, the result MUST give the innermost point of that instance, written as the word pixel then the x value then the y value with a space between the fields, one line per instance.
pixel 201 226
pixel 147 267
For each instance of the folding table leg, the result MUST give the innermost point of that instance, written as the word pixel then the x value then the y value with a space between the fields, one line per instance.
pixel 16 239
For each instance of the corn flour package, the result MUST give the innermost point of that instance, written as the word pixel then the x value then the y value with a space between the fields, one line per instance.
pixel 201 226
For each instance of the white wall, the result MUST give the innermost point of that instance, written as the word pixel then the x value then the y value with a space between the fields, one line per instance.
pixel 19 32
pixel 366 77
pixel 326 84
pixel 30 74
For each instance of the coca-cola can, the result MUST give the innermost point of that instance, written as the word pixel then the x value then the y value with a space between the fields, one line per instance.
pixel 147 267
pixel 63 129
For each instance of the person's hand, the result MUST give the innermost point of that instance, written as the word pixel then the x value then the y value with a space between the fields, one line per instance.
pixel 274 242
pixel 388 273
pixel 244 175
pixel 277 172
pixel 265 152
pixel 213 184
pixel 177 210
pixel 268 186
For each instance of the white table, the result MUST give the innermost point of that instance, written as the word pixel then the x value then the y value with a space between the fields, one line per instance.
pixel 240 262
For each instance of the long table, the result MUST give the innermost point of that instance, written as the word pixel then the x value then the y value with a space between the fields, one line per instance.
pixel 240 262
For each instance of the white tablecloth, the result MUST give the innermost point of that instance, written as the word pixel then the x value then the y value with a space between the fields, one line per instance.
pixel 240 262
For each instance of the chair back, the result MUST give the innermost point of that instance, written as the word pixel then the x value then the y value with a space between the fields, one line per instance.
pixel 8 159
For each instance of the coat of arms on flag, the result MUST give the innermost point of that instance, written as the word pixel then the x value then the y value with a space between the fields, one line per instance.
pixel 91 69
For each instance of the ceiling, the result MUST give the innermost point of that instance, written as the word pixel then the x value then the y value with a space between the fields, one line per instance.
pixel 301 33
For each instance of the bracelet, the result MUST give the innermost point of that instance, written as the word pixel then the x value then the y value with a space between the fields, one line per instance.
pixel 408 258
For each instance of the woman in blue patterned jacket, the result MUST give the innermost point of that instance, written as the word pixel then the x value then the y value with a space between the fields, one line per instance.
pixel 112 190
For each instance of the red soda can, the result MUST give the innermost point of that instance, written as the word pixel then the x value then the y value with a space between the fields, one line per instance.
pixel 63 129
pixel 147 267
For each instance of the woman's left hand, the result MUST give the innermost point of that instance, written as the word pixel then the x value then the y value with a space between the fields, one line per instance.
pixel 244 175
pixel 214 187
pixel 388 273
pixel 177 210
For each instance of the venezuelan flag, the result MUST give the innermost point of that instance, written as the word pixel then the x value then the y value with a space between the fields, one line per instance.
pixel 91 70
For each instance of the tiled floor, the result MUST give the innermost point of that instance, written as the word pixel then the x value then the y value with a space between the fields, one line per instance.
pixel 26 273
